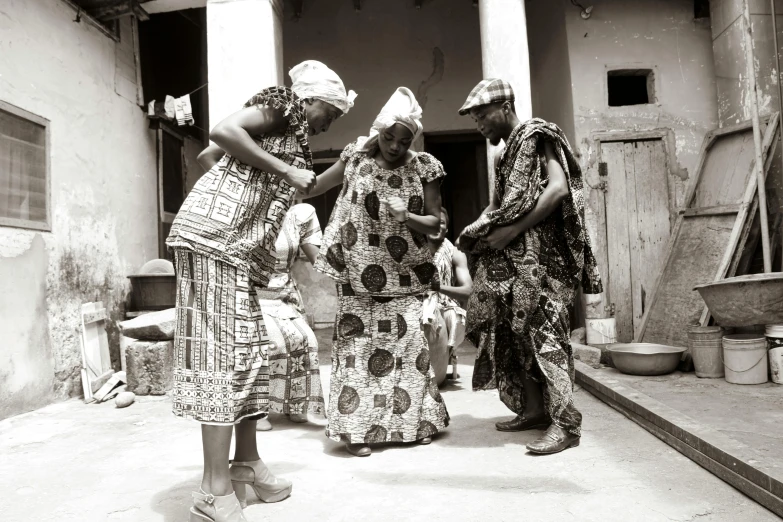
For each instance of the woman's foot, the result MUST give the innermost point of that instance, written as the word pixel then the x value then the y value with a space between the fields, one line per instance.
pixel 299 418
pixel 263 424
pixel 266 486
pixel 425 441
pixel 212 508
pixel 359 450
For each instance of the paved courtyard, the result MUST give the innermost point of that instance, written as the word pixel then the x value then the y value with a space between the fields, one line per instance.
pixel 76 462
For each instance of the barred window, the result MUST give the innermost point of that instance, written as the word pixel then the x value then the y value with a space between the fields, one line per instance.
pixel 24 169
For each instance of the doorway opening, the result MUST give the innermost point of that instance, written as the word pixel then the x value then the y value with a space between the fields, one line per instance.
pixel 465 189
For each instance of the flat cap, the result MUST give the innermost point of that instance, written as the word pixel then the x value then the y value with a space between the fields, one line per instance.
pixel 492 90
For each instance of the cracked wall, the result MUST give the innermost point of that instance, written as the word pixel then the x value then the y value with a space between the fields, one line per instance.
pixel 660 35
pixel 103 198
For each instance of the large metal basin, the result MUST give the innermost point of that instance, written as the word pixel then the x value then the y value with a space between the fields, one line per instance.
pixel 745 300
pixel 645 358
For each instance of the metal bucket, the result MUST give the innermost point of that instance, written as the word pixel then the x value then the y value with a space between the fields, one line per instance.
pixel 705 344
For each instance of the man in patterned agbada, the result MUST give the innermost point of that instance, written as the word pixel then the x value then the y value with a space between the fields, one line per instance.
pixel 528 253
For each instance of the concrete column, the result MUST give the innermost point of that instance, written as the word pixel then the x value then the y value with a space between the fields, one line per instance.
pixel 504 54
pixel 504 49
pixel 245 52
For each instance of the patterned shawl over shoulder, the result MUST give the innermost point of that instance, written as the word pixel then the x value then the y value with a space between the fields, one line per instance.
pixel 507 283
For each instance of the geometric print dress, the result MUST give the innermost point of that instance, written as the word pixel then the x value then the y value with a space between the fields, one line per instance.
pixel 294 376
pixel 223 240
pixel 382 385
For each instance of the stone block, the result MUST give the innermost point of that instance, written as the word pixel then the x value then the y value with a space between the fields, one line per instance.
pixel 579 335
pixel 155 326
pixel 150 367
pixel 587 354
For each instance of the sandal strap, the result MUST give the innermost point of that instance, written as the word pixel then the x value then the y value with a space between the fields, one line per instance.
pixel 204 497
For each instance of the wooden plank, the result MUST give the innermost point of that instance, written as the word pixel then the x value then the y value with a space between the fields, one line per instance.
pixel 711 211
pixel 671 266
pixel 696 255
pixel 96 360
pixel 726 170
pixel 742 216
pixel 636 168
pixel 617 235
pixel 653 227
pixel 94 317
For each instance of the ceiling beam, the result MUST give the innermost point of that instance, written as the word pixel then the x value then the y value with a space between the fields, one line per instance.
pixel 118 10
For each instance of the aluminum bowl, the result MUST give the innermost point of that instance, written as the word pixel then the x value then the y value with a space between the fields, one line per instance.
pixel 645 358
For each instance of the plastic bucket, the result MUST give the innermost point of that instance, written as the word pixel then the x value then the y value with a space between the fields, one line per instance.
pixel 774 335
pixel 601 331
pixel 705 344
pixel 776 365
pixel 745 359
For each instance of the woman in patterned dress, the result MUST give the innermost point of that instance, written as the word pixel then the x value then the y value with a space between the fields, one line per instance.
pixel 294 377
pixel 375 247
pixel 223 240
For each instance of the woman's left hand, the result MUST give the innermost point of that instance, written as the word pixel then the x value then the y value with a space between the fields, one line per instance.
pixel 396 207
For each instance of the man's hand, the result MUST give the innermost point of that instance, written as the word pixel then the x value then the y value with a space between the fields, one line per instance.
pixel 301 179
pixel 396 207
pixel 500 237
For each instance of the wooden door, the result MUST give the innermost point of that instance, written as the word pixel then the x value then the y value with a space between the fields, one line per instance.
pixel 637 226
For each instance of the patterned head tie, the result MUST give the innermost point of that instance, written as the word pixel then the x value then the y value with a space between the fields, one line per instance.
pixel 401 108
pixel 313 79
pixel 492 90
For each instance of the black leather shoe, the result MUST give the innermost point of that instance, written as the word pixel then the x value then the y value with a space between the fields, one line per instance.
pixel 359 450
pixel 555 440
pixel 520 423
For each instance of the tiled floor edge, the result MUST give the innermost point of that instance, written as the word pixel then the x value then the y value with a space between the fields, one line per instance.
pixel 756 484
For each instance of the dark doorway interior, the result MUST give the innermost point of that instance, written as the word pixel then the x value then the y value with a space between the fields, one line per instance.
pixel 465 190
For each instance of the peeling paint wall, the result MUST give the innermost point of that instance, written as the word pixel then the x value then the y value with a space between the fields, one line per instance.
pixel 630 34
pixel 103 197
pixel 435 51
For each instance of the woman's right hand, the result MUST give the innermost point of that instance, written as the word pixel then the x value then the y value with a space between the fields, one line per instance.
pixel 301 179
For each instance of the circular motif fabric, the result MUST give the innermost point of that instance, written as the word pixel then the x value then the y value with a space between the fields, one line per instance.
pixel 397 247
pixel 425 429
pixel 375 435
pixel 372 205
pixel 349 235
pixel 348 401
pixel 381 363
pixel 350 326
pixel 374 278
pixel 425 272
pixel 335 257
pixel 365 170
pixel 423 362
pixel 382 299
pixel 419 238
pixel 415 204
pixel 434 392
pixel 395 181
pixel 402 401
pixel 499 270
pixel 402 326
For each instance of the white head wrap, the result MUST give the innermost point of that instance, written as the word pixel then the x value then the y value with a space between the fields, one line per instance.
pixel 312 79
pixel 401 108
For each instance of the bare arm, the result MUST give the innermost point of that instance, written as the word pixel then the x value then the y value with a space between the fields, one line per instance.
pixel 549 201
pixel 311 251
pixel 333 176
pixel 234 136
pixel 464 287
pixel 429 223
pixel 209 157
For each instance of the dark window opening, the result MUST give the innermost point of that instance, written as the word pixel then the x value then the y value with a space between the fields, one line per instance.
pixel 630 87
pixel 701 9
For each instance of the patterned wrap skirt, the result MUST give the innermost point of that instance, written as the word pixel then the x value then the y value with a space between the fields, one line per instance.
pixel 294 375
pixel 221 370
pixel 382 388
